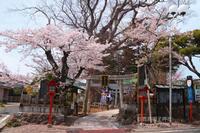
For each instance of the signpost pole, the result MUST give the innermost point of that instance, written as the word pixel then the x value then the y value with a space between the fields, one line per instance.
pixel 190 115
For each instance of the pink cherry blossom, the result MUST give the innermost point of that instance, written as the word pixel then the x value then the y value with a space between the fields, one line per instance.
pixel 82 49
pixel 7 77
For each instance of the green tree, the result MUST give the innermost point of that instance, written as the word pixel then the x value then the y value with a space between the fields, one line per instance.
pixel 187 46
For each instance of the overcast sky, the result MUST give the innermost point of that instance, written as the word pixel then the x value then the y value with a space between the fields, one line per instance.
pixel 16 20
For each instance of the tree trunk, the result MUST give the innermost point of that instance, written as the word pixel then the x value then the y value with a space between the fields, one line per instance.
pixel 85 104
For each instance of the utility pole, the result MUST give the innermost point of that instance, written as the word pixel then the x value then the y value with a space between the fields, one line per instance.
pixel 170 79
pixel 175 11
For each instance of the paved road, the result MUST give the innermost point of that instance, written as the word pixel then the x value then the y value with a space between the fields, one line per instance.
pixel 145 130
pixel 100 120
pixel 10 108
pixel 103 122
pixel 168 130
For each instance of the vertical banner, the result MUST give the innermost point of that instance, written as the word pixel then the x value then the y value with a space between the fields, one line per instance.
pixel 190 94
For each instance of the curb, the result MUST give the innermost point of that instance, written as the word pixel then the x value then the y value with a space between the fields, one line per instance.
pixel 3 121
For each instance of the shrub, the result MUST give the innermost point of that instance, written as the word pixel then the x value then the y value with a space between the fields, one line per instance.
pixel 13 123
pixel 2 105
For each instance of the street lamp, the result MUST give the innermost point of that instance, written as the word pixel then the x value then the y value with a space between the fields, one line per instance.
pixel 174 11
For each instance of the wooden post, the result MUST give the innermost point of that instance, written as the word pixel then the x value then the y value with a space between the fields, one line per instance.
pixel 149 106
pixel 116 96
pixel 148 94
pixel 121 93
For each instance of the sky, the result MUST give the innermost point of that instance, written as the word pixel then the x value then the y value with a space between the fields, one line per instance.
pixel 10 20
pixel 191 22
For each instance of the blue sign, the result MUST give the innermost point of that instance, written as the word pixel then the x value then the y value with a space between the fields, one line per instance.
pixel 190 94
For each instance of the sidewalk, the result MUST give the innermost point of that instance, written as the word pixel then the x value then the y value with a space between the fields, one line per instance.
pixel 10 108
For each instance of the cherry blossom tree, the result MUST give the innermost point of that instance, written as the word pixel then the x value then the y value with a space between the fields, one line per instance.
pixel 107 20
pixel 151 25
pixel 7 77
pixel 4 73
pixel 68 51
